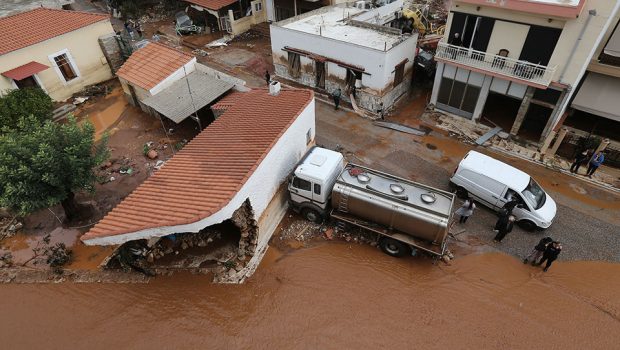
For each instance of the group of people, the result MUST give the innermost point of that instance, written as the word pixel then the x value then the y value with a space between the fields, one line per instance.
pixel 547 250
pixel 133 27
pixel 586 157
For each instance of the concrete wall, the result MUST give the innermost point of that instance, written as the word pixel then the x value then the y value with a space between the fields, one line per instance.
pixel 245 23
pixel 260 188
pixel 83 47
pixel 178 74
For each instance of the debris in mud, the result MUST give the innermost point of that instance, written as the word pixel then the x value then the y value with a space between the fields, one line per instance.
pixel 6 260
pixel 152 154
pixel 401 128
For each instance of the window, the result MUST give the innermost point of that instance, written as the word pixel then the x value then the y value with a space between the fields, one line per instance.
pixel 302 184
pixel 534 195
pixel 351 78
pixel 309 136
pixel 294 64
pixel 258 7
pixel 317 189
pixel 65 67
pixel 399 73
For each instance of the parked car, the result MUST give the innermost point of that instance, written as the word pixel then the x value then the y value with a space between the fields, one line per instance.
pixel 184 25
pixel 494 183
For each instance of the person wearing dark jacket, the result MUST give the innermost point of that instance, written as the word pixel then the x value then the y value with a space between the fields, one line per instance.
pixel 551 253
pixel 504 214
pixel 505 229
pixel 579 160
pixel 538 251
pixel 267 77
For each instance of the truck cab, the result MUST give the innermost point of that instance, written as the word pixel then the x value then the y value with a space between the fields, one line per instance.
pixel 311 184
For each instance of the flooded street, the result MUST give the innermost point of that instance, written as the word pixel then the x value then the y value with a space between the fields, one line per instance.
pixel 332 295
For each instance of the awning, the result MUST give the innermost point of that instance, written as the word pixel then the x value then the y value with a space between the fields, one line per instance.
pixel 613 45
pixel 599 95
pixel 25 71
pixel 176 103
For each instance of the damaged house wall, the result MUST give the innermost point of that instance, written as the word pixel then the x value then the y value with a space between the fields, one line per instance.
pixel 260 188
pixel 377 83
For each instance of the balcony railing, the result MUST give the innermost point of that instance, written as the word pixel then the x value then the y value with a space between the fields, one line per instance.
pixel 528 73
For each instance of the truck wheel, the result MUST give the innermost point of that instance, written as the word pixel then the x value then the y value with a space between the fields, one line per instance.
pixel 393 247
pixel 527 225
pixel 312 215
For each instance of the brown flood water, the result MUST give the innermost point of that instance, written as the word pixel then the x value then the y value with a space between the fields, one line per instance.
pixel 332 296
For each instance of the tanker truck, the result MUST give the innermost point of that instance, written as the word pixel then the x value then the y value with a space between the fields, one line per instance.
pixel 408 217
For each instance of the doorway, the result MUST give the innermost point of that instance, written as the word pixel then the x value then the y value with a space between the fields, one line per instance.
pixel 319 74
pixel 500 110
pixel 534 122
pixel 29 82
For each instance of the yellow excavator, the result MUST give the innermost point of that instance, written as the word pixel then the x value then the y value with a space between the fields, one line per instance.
pixel 422 24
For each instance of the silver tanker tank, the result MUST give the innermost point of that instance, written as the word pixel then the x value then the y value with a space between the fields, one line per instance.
pixel 398 204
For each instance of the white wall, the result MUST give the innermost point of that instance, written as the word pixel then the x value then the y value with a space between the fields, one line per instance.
pixel 509 36
pixel 178 74
pixel 373 61
pixel 260 187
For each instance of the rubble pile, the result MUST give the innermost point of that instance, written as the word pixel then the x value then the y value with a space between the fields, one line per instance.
pixel 182 242
pixel 6 260
pixel 243 218
pixel 304 231
pixel 9 227
pixel 113 168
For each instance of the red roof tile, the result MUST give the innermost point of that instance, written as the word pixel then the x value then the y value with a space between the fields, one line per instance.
pixel 151 64
pixel 25 71
pixel 228 100
pixel 206 174
pixel 31 27
pixel 212 4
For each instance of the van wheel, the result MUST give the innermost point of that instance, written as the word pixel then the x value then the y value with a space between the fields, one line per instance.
pixel 461 192
pixel 312 215
pixel 527 225
pixel 393 247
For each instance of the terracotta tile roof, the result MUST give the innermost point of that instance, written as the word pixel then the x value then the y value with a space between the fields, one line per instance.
pixel 206 174
pixel 228 100
pixel 151 64
pixel 31 27
pixel 25 71
pixel 212 4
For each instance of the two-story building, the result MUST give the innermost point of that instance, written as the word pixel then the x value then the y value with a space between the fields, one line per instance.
pixel 516 63
pixel 56 50
pixel 347 47
pixel 594 110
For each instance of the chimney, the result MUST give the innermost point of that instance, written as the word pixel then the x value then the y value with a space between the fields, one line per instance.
pixel 274 88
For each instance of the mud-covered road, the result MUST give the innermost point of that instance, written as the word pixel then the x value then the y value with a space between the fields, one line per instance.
pixel 330 296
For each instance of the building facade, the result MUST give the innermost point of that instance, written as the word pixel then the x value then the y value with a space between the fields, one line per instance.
pixel 231 16
pixel 346 47
pixel 593 114
pixel 516 64
pixel 55 50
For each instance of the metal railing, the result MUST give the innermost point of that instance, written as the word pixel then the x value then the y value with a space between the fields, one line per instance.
pixel 506 66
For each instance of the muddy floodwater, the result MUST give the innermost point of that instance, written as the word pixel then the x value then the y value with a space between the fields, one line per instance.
pixel 330 296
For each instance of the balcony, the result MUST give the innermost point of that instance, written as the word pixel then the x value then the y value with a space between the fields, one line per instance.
pixel 519 71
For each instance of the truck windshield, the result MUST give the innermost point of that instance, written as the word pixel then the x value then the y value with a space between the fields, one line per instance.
pixel 534 195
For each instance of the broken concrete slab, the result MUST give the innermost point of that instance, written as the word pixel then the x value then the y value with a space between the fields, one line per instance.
pixel 484 138
pixel 400 127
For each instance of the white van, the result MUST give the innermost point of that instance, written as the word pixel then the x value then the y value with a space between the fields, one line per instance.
pixel 494 183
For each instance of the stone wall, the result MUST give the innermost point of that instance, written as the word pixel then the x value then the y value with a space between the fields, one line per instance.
pixel 111 51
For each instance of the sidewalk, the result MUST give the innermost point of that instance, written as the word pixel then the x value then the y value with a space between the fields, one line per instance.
pixel 467 131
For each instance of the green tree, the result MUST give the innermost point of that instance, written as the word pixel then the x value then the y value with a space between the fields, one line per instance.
pixel 45 164
pixel 21 102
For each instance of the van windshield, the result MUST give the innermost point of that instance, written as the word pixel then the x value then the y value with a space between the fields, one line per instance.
pixel 534 195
